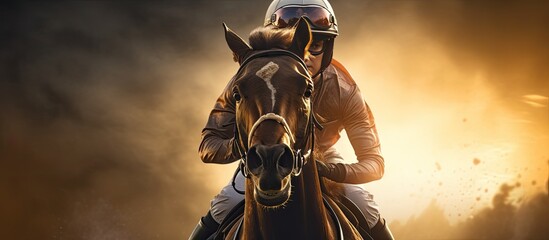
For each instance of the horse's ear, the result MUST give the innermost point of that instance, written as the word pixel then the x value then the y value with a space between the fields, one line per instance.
pixel 236 44
pixel 302 38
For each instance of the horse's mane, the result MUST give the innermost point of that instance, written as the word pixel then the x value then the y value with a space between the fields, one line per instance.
pixel 264 38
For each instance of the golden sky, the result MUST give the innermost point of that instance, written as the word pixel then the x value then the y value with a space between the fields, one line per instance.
pixel 448 132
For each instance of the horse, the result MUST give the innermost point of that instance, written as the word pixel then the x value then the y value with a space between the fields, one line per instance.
pixel 274 131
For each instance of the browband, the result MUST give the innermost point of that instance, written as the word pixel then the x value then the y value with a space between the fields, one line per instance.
pixel 272 53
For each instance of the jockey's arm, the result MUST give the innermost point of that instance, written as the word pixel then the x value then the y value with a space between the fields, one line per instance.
pixel 217 141
pixel 359 124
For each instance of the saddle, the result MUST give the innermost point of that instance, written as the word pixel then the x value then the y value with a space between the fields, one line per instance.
pixel 349 208
pixel 234 217
pixel 355 216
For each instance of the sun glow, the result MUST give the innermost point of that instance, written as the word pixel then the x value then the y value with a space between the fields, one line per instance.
pixel 445 134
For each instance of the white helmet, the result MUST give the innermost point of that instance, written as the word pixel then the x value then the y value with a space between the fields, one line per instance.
pixel 319 14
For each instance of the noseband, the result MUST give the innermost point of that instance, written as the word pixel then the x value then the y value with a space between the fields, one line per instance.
pixel 300 158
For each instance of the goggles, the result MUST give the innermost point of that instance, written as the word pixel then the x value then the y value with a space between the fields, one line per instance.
pixel 317 47
pixel 318 17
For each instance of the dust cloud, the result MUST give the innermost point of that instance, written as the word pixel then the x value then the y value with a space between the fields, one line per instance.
pixel 103 103
pixel 102 108
pixel 502 220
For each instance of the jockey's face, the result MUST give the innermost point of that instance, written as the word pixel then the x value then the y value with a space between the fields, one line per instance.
pixel 314 60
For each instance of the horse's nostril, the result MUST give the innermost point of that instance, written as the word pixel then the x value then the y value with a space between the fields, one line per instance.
pixel 254 160
pixel 286 160
pixel 270 159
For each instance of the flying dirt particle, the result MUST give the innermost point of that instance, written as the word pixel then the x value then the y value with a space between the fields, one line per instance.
pixel 486 190
pixel 464 120
pixel 440 183
pixel 519 176
pixel 438 166
pixel 478 199
pixel 534 183
pixel 517 184
pixel 476 161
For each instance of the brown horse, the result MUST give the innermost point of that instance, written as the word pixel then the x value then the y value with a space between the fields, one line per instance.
pixel 275 131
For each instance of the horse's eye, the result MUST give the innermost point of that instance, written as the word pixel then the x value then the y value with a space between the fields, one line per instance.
pixel 236 95
pixel 308 92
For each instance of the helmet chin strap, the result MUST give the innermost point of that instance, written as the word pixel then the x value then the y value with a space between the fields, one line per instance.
pixel 316 75
pixel 328 54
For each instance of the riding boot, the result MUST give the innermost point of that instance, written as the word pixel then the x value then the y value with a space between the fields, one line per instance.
pixel 205 228
pixel 381 231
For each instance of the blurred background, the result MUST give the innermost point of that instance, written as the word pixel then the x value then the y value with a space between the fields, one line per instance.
pixel 102 105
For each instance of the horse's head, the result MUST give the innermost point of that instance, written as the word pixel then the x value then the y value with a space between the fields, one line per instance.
pixel 272 92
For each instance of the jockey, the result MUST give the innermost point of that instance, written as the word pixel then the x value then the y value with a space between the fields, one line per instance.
pixel 338 105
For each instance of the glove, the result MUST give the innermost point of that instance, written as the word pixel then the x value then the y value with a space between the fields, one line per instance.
pixel 333 171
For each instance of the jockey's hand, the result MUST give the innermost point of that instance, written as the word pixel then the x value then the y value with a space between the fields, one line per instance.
pixel 333 171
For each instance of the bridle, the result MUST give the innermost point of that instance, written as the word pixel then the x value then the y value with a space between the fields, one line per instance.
pixel 299 160
pixel 300 155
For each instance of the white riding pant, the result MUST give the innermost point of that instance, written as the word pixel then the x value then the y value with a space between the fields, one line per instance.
pixel 228 198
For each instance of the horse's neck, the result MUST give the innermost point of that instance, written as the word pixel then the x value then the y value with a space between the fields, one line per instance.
pixel 303 216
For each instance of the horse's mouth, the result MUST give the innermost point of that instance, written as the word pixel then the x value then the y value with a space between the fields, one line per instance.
pixel 273 198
